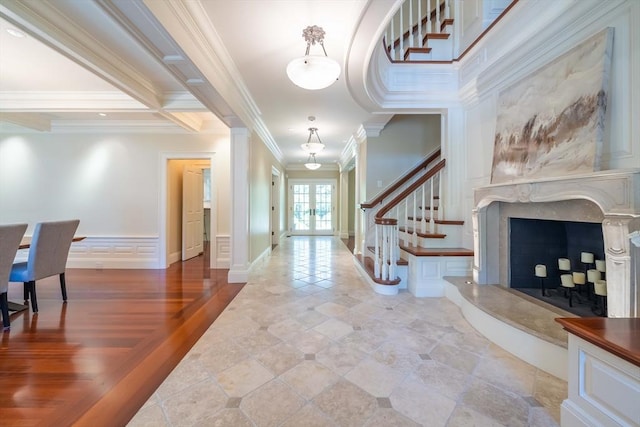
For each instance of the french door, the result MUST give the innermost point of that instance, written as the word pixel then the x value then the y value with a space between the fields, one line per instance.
pixel 312 206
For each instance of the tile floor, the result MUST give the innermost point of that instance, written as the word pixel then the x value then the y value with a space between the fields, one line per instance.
pixel 308 343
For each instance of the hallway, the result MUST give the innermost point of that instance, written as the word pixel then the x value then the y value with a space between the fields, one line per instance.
pixel 306 342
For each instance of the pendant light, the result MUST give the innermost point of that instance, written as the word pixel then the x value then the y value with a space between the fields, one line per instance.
pixel 313 72
pixel 312 163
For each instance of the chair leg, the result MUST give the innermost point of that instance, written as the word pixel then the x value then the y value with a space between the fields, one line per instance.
pixel 63 287
pixel 25 290
pixel 34 299
pixel 4 307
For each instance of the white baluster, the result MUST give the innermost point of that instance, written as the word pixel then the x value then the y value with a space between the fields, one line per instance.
pixel 447 10
pixel 428 29
pixel 410 23
pixel 406 221
pixel 376 251
pixel 420 23
pixel 394 249
pixel 432 221
pixel 414 222
pixel 440 204
pixel 437 16
pixel 393 44
pixel 401 32
pixel 385 252
pixel 423 220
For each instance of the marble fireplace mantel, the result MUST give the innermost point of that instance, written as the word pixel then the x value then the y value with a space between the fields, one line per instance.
pixel 616 193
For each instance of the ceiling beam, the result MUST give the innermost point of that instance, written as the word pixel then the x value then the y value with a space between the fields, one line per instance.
pixel 35 121
pixel 53 28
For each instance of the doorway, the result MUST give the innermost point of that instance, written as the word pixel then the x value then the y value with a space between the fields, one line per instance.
pixel 170 241
pixel 312 207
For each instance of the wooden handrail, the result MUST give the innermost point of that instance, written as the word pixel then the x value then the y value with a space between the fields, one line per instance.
pixel 400 197
pixel 403 179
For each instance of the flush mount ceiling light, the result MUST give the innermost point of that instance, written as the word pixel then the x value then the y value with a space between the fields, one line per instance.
pixel 15 32
pixel 312 163
pixel 313 72
pixel 313 146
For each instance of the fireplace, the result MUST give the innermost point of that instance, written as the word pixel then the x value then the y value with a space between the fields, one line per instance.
pixel 610 199
pixel 542 241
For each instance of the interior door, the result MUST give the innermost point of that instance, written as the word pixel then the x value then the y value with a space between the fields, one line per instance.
pixel 312 207
pixel 192 212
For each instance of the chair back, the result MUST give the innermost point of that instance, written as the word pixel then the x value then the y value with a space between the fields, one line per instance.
pixel 50 248
pixel 10 237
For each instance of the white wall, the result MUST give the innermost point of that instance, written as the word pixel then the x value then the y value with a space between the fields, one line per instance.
pixel 111 182
pixel 402 144
pixel 525 41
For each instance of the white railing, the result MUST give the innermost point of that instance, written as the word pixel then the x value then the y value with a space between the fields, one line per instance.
pixel 413 25
pixel 420 194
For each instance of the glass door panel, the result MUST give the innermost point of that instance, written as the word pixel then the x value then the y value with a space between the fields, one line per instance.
pixel 311 205
pixel 323 206
pixel 301 207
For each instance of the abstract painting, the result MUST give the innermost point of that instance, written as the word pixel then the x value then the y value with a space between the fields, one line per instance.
pixel 552 122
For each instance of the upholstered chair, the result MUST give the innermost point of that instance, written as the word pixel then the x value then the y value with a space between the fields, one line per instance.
pixel 47 257
pixel 10 237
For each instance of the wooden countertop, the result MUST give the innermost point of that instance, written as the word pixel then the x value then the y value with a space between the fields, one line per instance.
pixel 619 336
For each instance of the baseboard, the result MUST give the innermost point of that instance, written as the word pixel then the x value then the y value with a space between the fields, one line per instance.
pixel 174 257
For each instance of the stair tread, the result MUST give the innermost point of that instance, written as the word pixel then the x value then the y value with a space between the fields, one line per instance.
pixel 367 263
pixel 409 51
pixel 401 261
pixel 439 221
pixel 420 251
pixel 421 234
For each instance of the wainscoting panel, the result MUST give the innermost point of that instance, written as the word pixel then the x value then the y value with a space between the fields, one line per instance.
pixel 223 251
pixel 110 252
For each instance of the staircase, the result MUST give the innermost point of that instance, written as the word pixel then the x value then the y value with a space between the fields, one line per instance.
pixel 421 30
pixel 408 242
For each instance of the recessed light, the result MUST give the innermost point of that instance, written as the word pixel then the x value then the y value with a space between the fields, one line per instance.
pixel 102 114
pixel 15 32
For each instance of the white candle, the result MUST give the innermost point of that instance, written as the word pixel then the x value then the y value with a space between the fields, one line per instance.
pixel 564 264
pixel 567 280
pixel 600 287
pixel 601 265
pixel 541 270
pixel 593 276
pixel 586 257
pixel 578 278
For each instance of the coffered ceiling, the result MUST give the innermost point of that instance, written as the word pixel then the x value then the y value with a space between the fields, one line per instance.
pixel 197 65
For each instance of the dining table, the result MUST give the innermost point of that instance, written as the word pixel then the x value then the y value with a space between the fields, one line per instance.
pixel 25 243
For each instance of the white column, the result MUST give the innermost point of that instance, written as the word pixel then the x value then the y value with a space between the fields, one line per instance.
pixel 361 191
pixel 344 204
pixel 240 149
pixel 622 299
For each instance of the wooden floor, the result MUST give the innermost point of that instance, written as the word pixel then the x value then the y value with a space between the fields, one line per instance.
pixel 96 359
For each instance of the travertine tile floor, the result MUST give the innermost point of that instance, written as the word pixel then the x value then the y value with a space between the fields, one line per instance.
pixel 308 343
